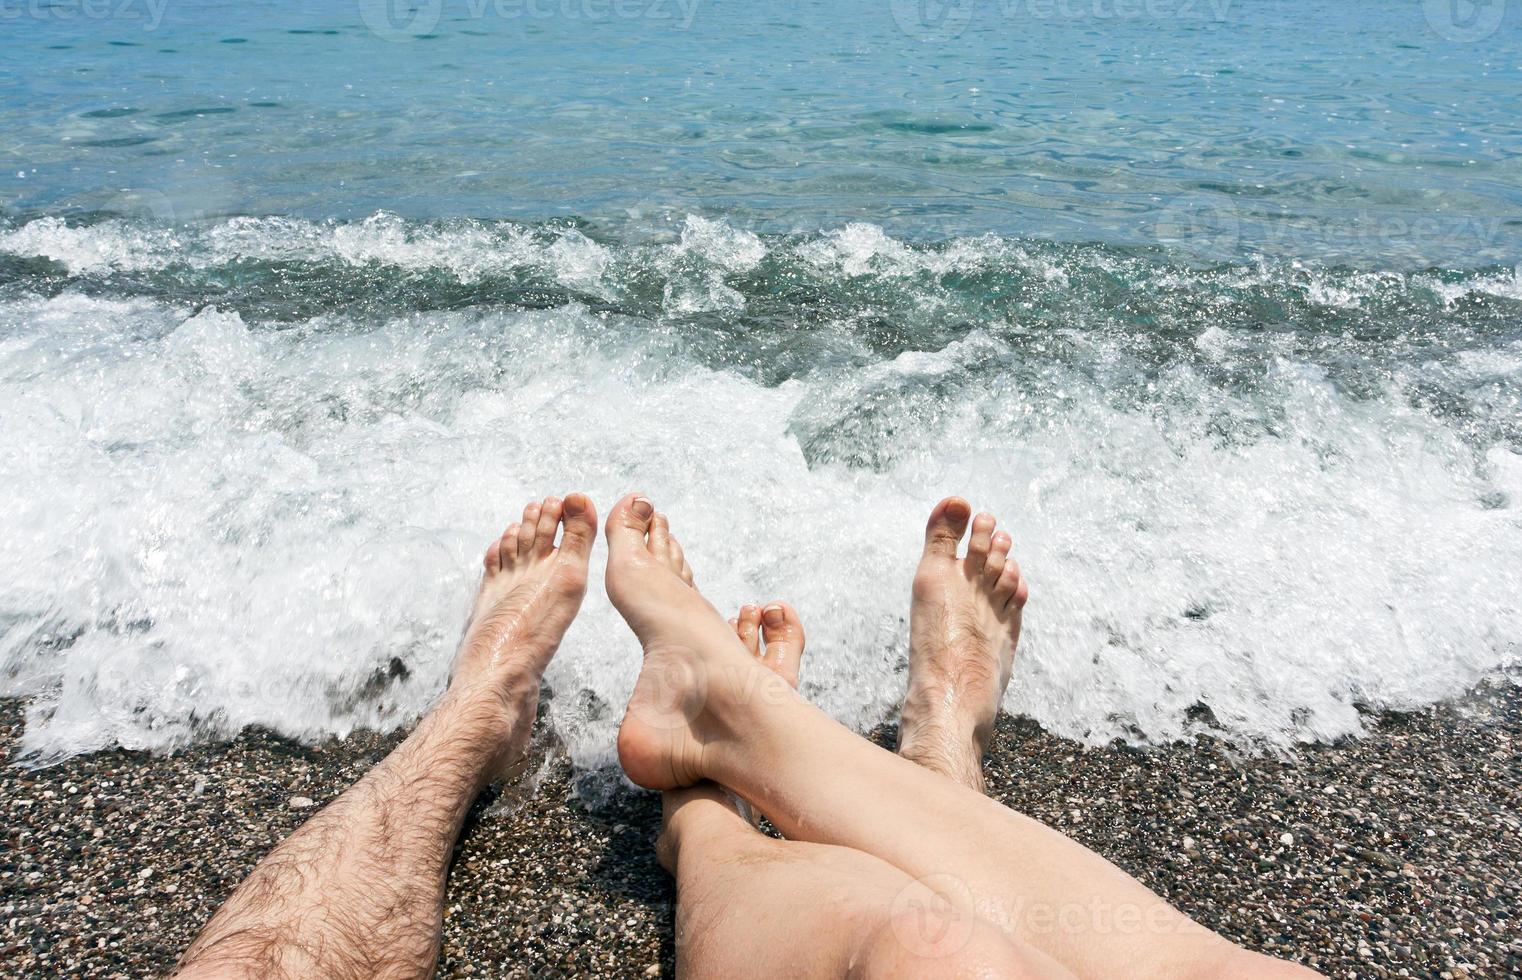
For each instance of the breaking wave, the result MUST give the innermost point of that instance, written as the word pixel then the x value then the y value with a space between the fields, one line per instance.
pixel 248 467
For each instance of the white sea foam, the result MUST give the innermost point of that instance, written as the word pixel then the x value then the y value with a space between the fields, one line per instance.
pixel 111 245
pixel 210 524
pixel 861 249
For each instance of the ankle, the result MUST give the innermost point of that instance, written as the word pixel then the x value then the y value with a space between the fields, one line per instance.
pixel 694 808
pixel 700 817
pixel 513 690
pixel 741 693
pixel 486 727
pixel 941 732
pixel 958 707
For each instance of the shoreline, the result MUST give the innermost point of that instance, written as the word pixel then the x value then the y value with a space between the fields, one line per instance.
pixel 1390 855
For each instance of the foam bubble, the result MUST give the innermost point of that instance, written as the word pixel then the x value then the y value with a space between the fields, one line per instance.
pixel 211 523
pixel 92 249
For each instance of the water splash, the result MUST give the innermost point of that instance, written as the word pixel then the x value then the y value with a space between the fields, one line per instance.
pixel 248 467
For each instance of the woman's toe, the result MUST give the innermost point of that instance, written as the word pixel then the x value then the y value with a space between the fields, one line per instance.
pixel 783 632
pixel 748 628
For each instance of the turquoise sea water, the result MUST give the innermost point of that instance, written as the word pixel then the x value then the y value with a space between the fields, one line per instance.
pixel 1217 303
pixel 1304 129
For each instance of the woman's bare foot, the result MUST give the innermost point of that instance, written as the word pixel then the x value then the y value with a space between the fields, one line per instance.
pixel 692 656
pixel 774 636
pixel 530 592
pixel 963 627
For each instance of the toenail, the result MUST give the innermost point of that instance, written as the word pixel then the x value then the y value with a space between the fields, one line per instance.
pixel 773 616
pixel 642 508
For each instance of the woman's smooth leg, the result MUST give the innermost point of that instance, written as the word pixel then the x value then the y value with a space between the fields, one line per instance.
pixel 704 709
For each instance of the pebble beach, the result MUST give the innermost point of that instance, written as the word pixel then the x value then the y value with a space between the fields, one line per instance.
pixel 1216 305
pixel 1393 855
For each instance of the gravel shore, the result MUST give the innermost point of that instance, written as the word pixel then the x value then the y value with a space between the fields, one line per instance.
pixel 1393 855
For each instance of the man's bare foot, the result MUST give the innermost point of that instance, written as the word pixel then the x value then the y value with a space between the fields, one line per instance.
pixel 530 592
pixel 692 656
pixel 963 627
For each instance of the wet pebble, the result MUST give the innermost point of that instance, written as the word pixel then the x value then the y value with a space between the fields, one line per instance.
pixel 1393 855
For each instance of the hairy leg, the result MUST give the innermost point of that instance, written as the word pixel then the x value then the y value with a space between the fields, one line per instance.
pixel 358 890
pixel 704 709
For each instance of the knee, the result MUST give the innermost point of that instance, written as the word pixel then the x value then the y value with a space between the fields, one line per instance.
pixel 940 943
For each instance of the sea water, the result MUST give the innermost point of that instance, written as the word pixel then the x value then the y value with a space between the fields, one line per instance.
pixel 1216 305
